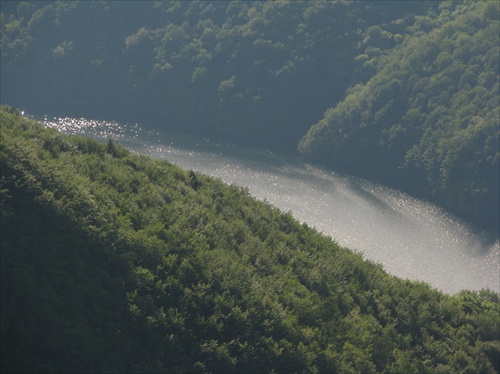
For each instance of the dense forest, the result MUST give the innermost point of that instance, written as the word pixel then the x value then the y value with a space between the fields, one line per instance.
pixel 115 262
pixel 412 86
pixel 428 120
pixel 246 71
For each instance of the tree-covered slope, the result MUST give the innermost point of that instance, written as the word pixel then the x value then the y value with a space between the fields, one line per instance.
pixel 114 262
pixel 258 72
pixel 262 72
pixel 428 120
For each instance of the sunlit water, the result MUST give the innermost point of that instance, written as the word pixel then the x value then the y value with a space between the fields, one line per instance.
pixel 409 237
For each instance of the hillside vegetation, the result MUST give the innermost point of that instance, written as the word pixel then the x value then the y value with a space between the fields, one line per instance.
pixel 114 262
pixel 413 87
pixel 259 72
pixel 428 120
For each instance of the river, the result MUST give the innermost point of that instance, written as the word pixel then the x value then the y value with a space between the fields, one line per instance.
pixel 409 237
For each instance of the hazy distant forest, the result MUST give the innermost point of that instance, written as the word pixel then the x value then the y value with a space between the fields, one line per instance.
pixel 403 93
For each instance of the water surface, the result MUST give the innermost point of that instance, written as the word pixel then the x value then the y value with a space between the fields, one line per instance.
pixel 411 238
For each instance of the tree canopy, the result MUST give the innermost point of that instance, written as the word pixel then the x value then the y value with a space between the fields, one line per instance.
pixel 428 120
pixel 115 262
pixel 259 72
pixel 412 86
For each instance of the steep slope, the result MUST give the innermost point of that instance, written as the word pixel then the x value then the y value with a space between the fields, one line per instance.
pixel 114 262
pixel 428 120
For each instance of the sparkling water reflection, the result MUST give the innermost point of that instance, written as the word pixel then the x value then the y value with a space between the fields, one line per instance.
pixel 409 237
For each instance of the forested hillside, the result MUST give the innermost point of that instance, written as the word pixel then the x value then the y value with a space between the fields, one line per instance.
pixel 416 83
pixel 428 121
pixel 258 72
pixel 114 262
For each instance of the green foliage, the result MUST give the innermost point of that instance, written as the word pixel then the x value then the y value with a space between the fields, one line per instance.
pixel 244 71
pixel 428 120
pixel 421 113
pixel 114 262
